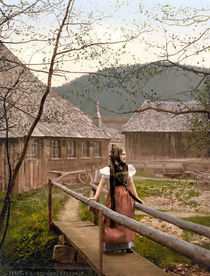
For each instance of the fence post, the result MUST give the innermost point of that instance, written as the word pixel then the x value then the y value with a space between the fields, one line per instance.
pixel 50 205
pixel 101 229
pixel 94 211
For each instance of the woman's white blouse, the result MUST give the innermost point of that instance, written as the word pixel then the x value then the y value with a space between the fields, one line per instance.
pixel 105 172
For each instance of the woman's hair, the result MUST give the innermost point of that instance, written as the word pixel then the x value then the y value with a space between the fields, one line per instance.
pixel 115 153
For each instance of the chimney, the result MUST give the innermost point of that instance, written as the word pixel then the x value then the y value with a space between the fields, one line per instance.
pixel 97 117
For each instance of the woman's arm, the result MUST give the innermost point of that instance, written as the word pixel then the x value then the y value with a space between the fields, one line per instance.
pixel 132 186
pixel 99 189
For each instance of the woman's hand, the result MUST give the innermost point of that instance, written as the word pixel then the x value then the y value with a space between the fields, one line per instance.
pixel 99 190
pixel 92 198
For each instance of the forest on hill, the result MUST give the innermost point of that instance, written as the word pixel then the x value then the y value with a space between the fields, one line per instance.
pixel 124 88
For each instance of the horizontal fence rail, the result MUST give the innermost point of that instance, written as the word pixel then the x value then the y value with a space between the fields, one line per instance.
pixel 64 174
pixel 197 254
pixel 191 226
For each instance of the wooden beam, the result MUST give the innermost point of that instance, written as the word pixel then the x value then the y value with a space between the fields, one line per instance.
pixel 101 229
pixel 187 225
pixel 50 205
pixel 197 254
pixel 63 174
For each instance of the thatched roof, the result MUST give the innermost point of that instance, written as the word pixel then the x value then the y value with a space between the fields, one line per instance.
pixel 23 92
pixel 153 121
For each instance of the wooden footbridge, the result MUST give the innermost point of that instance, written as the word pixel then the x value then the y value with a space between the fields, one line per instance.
pixel 86 238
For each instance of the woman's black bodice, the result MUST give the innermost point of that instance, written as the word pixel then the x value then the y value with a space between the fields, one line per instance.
pixel 121 175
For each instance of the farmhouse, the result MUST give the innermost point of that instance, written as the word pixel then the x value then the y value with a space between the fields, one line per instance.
pixel 65 138
pixel 157 137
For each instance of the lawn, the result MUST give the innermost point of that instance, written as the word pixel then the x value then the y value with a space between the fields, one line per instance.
pixel 28 242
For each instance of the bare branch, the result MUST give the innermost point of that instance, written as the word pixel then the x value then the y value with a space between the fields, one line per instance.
pixel 191 43
pixel 200 138
pixel 47 91
pixel 22 11
pixel 29 41
pixel 99 44
pixel 186 21
pixel 190 68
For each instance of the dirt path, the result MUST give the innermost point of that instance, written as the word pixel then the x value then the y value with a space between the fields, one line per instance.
pixel 70 210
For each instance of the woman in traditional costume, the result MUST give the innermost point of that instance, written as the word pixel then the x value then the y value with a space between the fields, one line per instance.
pixel 121 198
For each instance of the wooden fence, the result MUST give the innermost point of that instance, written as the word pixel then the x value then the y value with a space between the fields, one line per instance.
pixel 195 253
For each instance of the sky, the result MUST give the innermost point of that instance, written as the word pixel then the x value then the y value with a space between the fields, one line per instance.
pixel 137 51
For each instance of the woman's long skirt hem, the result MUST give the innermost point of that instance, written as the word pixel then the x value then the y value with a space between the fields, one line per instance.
pixel 117 246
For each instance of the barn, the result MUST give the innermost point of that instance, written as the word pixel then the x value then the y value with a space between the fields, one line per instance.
pixel 156 138
pixel 65 139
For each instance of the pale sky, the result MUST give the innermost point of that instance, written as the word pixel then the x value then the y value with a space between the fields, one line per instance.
pixel 123 15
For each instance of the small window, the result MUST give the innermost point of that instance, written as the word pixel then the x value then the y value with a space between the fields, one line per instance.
pixel 32 151
pixel 97 149
pixel 71 150
pixel 85 149
pixel 55 149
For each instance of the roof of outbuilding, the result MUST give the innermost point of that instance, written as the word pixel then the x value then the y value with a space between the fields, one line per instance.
pixel 23 92
pixel 153 121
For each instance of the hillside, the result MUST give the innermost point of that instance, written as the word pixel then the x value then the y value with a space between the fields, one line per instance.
pixel 125 88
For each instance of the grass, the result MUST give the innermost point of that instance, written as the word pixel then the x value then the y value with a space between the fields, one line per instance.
pixel 156 253
pixel 190 236
pixel 28 243
pixel 144 174
pixel 162 256
pixel 184 192
pixel 84 212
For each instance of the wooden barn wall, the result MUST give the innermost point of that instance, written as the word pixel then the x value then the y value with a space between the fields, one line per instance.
pixel 34 173
pixel 78 163
pixel 153 145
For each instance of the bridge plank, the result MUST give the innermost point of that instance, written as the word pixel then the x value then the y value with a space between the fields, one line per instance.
pixel 84 236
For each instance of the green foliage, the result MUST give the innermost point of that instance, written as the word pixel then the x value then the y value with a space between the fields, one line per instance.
pixel 197 140
pixel 28 243
pixel 127 94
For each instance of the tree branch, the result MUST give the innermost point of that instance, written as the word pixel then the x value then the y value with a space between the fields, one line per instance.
pixel 47 91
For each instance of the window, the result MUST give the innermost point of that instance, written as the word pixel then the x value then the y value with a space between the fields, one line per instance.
pixel 32 151
pixel 71 149
pixel 55 149
pixel 97 149
pixel 85 149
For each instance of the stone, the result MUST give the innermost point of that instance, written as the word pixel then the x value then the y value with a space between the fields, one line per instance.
pixel 63 267
pixel 81 259
pixel 63 254
pixel 63 240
